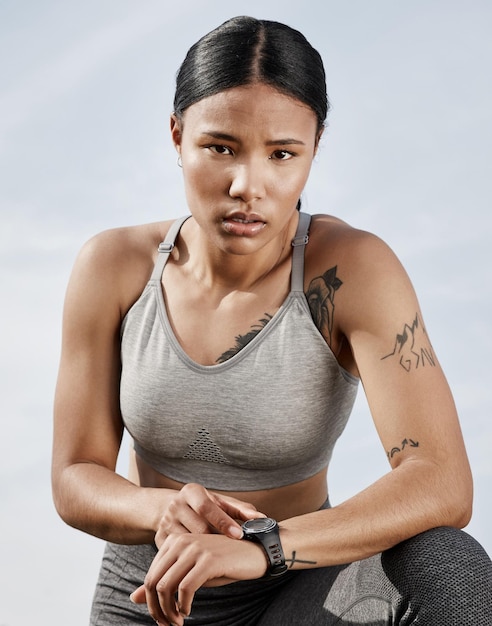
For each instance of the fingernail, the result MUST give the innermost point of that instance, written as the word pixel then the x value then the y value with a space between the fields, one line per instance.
pixel 131 598
pixel 236 532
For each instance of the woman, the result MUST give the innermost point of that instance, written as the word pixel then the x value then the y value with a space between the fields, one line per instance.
pixel 231 352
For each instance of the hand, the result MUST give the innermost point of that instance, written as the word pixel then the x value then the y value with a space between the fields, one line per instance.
pixel 194 509
pixel 186 562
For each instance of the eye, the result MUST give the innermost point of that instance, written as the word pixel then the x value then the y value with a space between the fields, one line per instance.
pixel 281 155
pixel 218 149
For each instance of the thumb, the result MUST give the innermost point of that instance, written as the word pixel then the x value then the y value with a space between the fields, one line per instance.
pixel 138 596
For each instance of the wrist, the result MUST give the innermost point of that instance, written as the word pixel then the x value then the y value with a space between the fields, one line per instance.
pixel 265 532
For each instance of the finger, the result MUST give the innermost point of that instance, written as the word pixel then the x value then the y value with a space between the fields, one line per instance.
pixel 168 587
pixel 138 596
pixel 238 509
pixel 206 507
pixel 176 573
pixel 220 520
pixel 156 587
pixel 186 591
pixel 163 533
pixel 190 523
pixel 181 516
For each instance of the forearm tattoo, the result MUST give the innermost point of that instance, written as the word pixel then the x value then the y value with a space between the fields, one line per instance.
pixel 243 340
pixel 406 442
pixel 294 560
pixel 412 347
pixel 321 299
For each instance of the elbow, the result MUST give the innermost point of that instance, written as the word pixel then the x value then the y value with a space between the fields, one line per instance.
pixel 63 500
pixel 463 511
pixel 459 506
pixel 60 502
pixel 458 515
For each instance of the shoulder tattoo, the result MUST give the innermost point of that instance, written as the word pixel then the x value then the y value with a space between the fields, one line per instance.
pixel 321 299
pixel 412 348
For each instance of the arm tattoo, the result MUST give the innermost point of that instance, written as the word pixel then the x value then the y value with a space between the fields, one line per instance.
pixel 293 560
pixel 412 347
pixel 242 340
pixel 321 299
pixel 406 442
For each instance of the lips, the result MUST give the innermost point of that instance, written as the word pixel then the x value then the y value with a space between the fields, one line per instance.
pixel 241 221
pixel 243 225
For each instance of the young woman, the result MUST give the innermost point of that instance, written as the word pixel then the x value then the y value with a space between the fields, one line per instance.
pixel 230 344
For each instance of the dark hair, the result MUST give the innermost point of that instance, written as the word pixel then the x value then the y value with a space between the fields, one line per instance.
pixel 244 51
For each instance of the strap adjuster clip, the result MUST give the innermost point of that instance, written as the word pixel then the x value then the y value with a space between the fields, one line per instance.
pixel 300 241
pixel 165 247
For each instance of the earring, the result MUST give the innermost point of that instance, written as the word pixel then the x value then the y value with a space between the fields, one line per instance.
pixel 180 163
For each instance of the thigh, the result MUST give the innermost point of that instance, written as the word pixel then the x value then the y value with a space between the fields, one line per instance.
pixel 327 596
pixel 237 604
pixel 123 569
pixel 442 577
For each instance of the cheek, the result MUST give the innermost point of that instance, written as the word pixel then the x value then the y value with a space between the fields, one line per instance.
pixel 202 172
pixel 292 184
pixel 202 178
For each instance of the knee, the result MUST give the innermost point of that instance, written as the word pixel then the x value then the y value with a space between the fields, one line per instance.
pixel 446 560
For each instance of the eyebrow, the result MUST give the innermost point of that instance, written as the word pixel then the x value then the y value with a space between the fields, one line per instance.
pixel 289 141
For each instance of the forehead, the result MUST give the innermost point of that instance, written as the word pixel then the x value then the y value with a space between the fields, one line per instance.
pixel 259 106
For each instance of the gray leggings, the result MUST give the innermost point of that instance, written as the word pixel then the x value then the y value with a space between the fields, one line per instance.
pixel 441 577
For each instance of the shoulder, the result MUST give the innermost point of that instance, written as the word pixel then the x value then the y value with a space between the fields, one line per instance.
pixel 372 287
pixel 115 264
pixel 118 245
pixel 357 253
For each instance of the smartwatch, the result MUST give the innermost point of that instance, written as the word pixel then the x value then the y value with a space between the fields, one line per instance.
pixel 265 531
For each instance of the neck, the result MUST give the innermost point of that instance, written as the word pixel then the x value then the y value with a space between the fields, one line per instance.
pixel 214 268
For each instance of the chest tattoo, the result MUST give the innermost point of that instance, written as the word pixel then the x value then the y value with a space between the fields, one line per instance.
pixel 243 340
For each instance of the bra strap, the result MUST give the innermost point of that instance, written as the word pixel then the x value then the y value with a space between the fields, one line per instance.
pixel 166 247
pixel 299 243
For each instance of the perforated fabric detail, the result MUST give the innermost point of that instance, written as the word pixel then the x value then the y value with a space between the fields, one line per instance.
pixel 444 578
pixel 204 448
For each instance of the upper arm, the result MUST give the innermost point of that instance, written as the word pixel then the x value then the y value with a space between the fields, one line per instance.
pixel 87 421
pixel 407 392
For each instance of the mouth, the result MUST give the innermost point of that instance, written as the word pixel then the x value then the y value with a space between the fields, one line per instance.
pixel 243 221
pixel 243 225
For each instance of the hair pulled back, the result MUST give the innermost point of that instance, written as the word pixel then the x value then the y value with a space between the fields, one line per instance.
pixel 245 51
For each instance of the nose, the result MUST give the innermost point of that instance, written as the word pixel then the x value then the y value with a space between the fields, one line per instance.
pixel 248 180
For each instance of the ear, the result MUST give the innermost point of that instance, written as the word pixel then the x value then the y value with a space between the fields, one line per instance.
pixel 176 131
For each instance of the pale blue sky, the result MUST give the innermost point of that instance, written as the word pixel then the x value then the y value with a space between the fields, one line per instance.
pixel 86 89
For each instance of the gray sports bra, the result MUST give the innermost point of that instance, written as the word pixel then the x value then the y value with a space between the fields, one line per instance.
pixel 269 416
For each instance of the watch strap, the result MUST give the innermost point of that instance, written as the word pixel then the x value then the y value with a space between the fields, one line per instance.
pixel 275 554
pixel 270 542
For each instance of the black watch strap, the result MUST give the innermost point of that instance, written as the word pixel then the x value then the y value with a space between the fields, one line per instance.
pixel 270 542
pixel 275 554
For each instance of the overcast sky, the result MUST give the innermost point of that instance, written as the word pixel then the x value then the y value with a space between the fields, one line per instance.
pixel 86 90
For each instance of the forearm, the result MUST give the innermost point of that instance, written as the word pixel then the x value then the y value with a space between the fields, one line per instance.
pixel 408 500
pixel 100 502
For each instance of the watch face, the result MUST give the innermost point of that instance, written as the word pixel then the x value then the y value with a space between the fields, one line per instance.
pixel 260 525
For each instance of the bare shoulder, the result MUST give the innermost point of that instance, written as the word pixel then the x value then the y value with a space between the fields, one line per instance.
pixel 332 236
pixel 354 282
pixel 364 259
pixel 116 264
